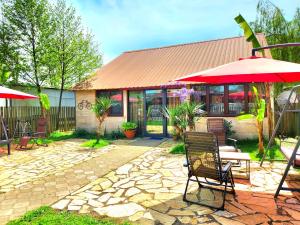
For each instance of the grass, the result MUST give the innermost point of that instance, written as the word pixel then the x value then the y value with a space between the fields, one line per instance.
pixel 48 216
pixel 95 143
pixel 178 149
pixel 249 146
pixel 56 136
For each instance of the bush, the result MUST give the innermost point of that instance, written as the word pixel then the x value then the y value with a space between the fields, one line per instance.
pixel 178 149
pixel 129 126
pixel 82 133
pixel 228 128
pixel 113 135
pixel 45 215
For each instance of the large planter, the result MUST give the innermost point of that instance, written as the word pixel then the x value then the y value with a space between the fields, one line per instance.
pixel 130 134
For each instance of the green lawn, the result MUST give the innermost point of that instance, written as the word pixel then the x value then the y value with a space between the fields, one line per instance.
pixel 48 216
pixel 94 143
pixel 249 146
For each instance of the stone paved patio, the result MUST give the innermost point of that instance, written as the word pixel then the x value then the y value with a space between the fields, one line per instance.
pixel 43 176
pixel 148 190
pixel 25 166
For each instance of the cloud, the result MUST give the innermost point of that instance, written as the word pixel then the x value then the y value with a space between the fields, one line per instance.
pixel 121 25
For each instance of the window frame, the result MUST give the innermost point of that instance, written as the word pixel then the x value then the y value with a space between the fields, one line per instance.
pixel 109 94
pixel 226 99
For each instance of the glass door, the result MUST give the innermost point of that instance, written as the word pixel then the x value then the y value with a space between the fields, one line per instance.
pixel 136 109
pixel 154 119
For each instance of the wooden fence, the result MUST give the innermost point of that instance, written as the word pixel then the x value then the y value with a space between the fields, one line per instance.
pixel 290 125
pixel 30 114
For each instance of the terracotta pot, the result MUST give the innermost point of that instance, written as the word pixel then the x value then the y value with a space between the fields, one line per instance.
pixel 130 134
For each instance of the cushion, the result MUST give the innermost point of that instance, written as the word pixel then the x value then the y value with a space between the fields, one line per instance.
pixel 227 148
pixel 288 153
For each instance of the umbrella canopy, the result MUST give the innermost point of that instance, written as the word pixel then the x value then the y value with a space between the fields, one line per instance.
pixel 9 93
pixel 247 70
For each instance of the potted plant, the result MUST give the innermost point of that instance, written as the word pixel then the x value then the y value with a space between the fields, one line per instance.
pixel 129 129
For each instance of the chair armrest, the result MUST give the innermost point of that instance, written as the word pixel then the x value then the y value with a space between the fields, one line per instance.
pixel 234 141
pixel 227 167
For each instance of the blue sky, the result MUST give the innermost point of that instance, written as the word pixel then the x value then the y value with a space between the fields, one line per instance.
pixel 122 25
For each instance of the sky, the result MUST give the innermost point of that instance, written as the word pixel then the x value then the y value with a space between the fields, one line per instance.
pixel 123 25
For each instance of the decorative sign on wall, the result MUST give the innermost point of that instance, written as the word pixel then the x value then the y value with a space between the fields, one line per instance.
pixel 84 104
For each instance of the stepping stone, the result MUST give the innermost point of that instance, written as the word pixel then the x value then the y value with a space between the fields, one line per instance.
pixel 122 210
pixel 132 191
pixel 124 169
pixel 95 203
pixel 74 207
pixel 61 204
pixel 113 201
pixel 78 202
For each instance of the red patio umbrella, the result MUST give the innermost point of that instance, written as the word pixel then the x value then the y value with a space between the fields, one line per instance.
pixel 10 93
pixel 13 94
pixel 247 70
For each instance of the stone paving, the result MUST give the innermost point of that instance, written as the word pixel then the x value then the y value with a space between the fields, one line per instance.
pixel 59 170
pixel 148 190
pixel 25 166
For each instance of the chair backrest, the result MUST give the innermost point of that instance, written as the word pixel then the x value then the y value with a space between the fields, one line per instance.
pixel 216 126
pixel 202 153
pixel 41 125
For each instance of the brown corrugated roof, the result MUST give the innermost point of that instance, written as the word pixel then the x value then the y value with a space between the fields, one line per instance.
pixel 155 67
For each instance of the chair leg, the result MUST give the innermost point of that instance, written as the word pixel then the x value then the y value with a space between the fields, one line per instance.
pixel 186 188
pixel 224 195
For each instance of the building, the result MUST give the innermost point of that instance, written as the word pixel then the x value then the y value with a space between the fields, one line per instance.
pixel 139 83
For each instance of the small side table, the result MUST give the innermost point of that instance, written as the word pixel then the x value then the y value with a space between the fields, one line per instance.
pixel 238 156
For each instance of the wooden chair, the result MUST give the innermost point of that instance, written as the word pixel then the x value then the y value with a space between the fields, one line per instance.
pixel 203 160
pixel 216 126
pixel 41 131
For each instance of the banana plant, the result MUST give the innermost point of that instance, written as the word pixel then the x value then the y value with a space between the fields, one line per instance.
pixel 257 112
pixel 251 37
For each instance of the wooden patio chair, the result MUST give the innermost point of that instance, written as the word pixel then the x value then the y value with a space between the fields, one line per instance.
pixel 216 126
pixel 41 131
pixel 203 161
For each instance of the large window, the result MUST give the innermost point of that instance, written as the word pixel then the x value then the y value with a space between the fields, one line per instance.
pixel 223 100
pixel 116 97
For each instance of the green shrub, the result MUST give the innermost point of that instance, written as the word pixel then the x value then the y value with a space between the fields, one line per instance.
pixel 95 143
pixel 45 215
pixel 178 149
pixel 228 128
pixel 82 133
pixel 129 126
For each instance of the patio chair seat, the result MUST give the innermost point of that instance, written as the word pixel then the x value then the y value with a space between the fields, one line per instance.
pixel 228 148
pixel 288 153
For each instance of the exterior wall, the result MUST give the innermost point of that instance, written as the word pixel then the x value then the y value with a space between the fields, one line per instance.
pixel 244 129
pixel 86 119
pixel 114 122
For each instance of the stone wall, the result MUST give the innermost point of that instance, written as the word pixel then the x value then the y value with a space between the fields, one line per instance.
pixel 244 129
pixel 86 119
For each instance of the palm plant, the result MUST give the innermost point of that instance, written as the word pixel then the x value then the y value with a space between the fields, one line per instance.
pixel 101 109
pixel 192 111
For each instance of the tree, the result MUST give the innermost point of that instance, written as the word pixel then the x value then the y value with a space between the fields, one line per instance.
pixel 74 53
pixel 271 21
pixel 251 37
pixel 101 108
pixel 29 21
pixel 257 112
pixel 9 56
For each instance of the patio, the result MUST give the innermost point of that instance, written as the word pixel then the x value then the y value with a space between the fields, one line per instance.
pixel 148 190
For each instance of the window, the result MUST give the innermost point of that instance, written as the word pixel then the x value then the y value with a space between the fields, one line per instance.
pixel 223 100
pixel 236 99
pixel 216 100
pixel 199 95
pixel 117 101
